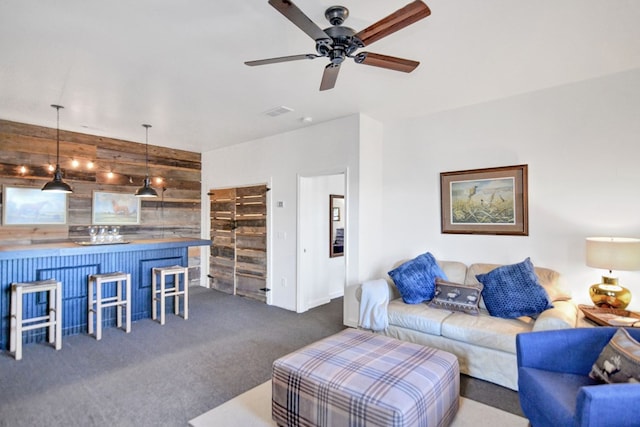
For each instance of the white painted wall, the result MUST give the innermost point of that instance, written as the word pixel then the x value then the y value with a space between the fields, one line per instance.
pixel 582 144
pixel 325 148
pixel 579 140
pixel 370 230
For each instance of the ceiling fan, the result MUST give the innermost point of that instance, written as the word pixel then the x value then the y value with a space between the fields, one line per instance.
pixel 338 42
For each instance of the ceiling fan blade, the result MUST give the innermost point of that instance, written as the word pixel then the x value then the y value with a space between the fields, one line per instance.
pixel 384 61
pixel 281 59
pixel 329 76
pixel 302 21
pixel 399 19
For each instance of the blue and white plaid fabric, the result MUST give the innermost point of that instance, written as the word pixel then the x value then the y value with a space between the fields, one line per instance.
pixel 359 379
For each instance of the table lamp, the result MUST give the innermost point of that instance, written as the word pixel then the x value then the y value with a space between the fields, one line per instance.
pixel 612 253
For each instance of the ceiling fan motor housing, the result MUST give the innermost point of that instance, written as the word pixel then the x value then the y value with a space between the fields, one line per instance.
pixel 343 43
pixel 336 14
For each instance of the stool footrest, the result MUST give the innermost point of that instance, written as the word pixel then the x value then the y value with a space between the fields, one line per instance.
pixel 39 325
pixel 35 319
pixel 110 304
pixel 110 299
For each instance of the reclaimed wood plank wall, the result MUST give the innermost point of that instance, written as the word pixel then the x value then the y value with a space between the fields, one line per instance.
pixel 118 166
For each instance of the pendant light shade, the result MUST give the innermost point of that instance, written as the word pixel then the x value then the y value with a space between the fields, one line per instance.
pixel 57 184
pixel 146 190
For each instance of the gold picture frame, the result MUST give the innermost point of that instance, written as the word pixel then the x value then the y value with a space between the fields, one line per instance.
pixel 485 201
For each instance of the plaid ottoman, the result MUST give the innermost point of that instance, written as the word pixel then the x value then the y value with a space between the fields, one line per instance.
pixel 358 378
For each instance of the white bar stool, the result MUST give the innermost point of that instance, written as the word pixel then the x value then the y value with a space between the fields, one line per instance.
pixel 97 302
pixel 159 294
pixel 52 320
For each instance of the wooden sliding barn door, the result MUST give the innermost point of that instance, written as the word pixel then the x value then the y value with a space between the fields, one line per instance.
pixel 238 262
pixel 222 262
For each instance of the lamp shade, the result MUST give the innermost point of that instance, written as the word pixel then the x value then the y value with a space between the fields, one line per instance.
pixel 613 253
pixel 146 190
pixel 57 185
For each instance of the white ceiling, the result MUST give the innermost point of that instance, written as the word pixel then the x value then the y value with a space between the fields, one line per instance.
pixel 179 64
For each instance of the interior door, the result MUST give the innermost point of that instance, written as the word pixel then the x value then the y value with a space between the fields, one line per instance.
pixel 238 263
pixel 222 262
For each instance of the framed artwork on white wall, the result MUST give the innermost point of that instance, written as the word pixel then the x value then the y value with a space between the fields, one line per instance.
pixel 485 201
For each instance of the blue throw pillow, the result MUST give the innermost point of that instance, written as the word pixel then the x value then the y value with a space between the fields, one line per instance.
pixel 513 290
pixel 416 279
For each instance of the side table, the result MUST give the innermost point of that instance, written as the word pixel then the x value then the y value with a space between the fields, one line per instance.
pixel 611 316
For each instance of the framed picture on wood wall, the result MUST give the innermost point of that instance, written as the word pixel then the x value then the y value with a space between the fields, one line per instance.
pixel 485 201
pixel 22 206
pixel 115 208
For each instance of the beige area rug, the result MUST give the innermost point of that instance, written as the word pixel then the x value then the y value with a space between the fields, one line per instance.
pixel 253 408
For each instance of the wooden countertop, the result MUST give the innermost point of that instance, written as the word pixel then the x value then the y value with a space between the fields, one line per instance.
pixel 75 248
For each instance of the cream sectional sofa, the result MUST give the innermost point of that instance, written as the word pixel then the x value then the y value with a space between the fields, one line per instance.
pixel 485 345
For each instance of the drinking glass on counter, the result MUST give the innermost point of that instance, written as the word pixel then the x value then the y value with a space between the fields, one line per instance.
pixel 114 233
pixel 102 234
pixel 93 231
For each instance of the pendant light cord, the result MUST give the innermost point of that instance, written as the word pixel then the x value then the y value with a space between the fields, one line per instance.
pixel 57 107
pixel 58 136
pixel 146 148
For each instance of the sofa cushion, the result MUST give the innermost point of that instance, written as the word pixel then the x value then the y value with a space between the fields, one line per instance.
pixel 417 317
pixel 416 279
pixel 456 271
pixel 512 291
pixel 619 361
pixel 553 283
pixel 456 297
pixel 485 330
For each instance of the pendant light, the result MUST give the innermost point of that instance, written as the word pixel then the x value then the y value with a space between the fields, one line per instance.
pixel 57 185
pixel 146 190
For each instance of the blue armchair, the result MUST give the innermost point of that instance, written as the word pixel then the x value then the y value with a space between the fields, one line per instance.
pixel 554 385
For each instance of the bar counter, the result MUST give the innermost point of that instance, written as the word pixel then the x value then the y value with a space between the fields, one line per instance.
pixel 71 263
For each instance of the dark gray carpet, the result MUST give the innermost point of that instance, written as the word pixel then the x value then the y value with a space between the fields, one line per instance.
pixel 167 375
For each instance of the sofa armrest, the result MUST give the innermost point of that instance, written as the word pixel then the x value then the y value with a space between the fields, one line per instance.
pixel 618 399
pixel 393 292
pixel 563 315
pixel 566 350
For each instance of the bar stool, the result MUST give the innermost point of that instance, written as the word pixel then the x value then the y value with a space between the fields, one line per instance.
pixel 159 294
pixel 97 302
pixel 52 320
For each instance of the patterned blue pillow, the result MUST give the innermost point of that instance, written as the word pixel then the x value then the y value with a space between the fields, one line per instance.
pixel 416 279
pixel 513 290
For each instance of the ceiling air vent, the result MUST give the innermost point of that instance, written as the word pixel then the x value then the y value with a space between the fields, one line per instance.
pixel 274 112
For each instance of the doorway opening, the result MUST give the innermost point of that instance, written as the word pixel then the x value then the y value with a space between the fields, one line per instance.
pixel 321 274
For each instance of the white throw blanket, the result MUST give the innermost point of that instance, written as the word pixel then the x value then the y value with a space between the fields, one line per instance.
pixel 373 305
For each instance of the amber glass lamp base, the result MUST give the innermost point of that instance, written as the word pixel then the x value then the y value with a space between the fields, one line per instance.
pixel 609 294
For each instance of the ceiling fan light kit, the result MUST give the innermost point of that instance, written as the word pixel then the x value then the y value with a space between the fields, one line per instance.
pixel 339 42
